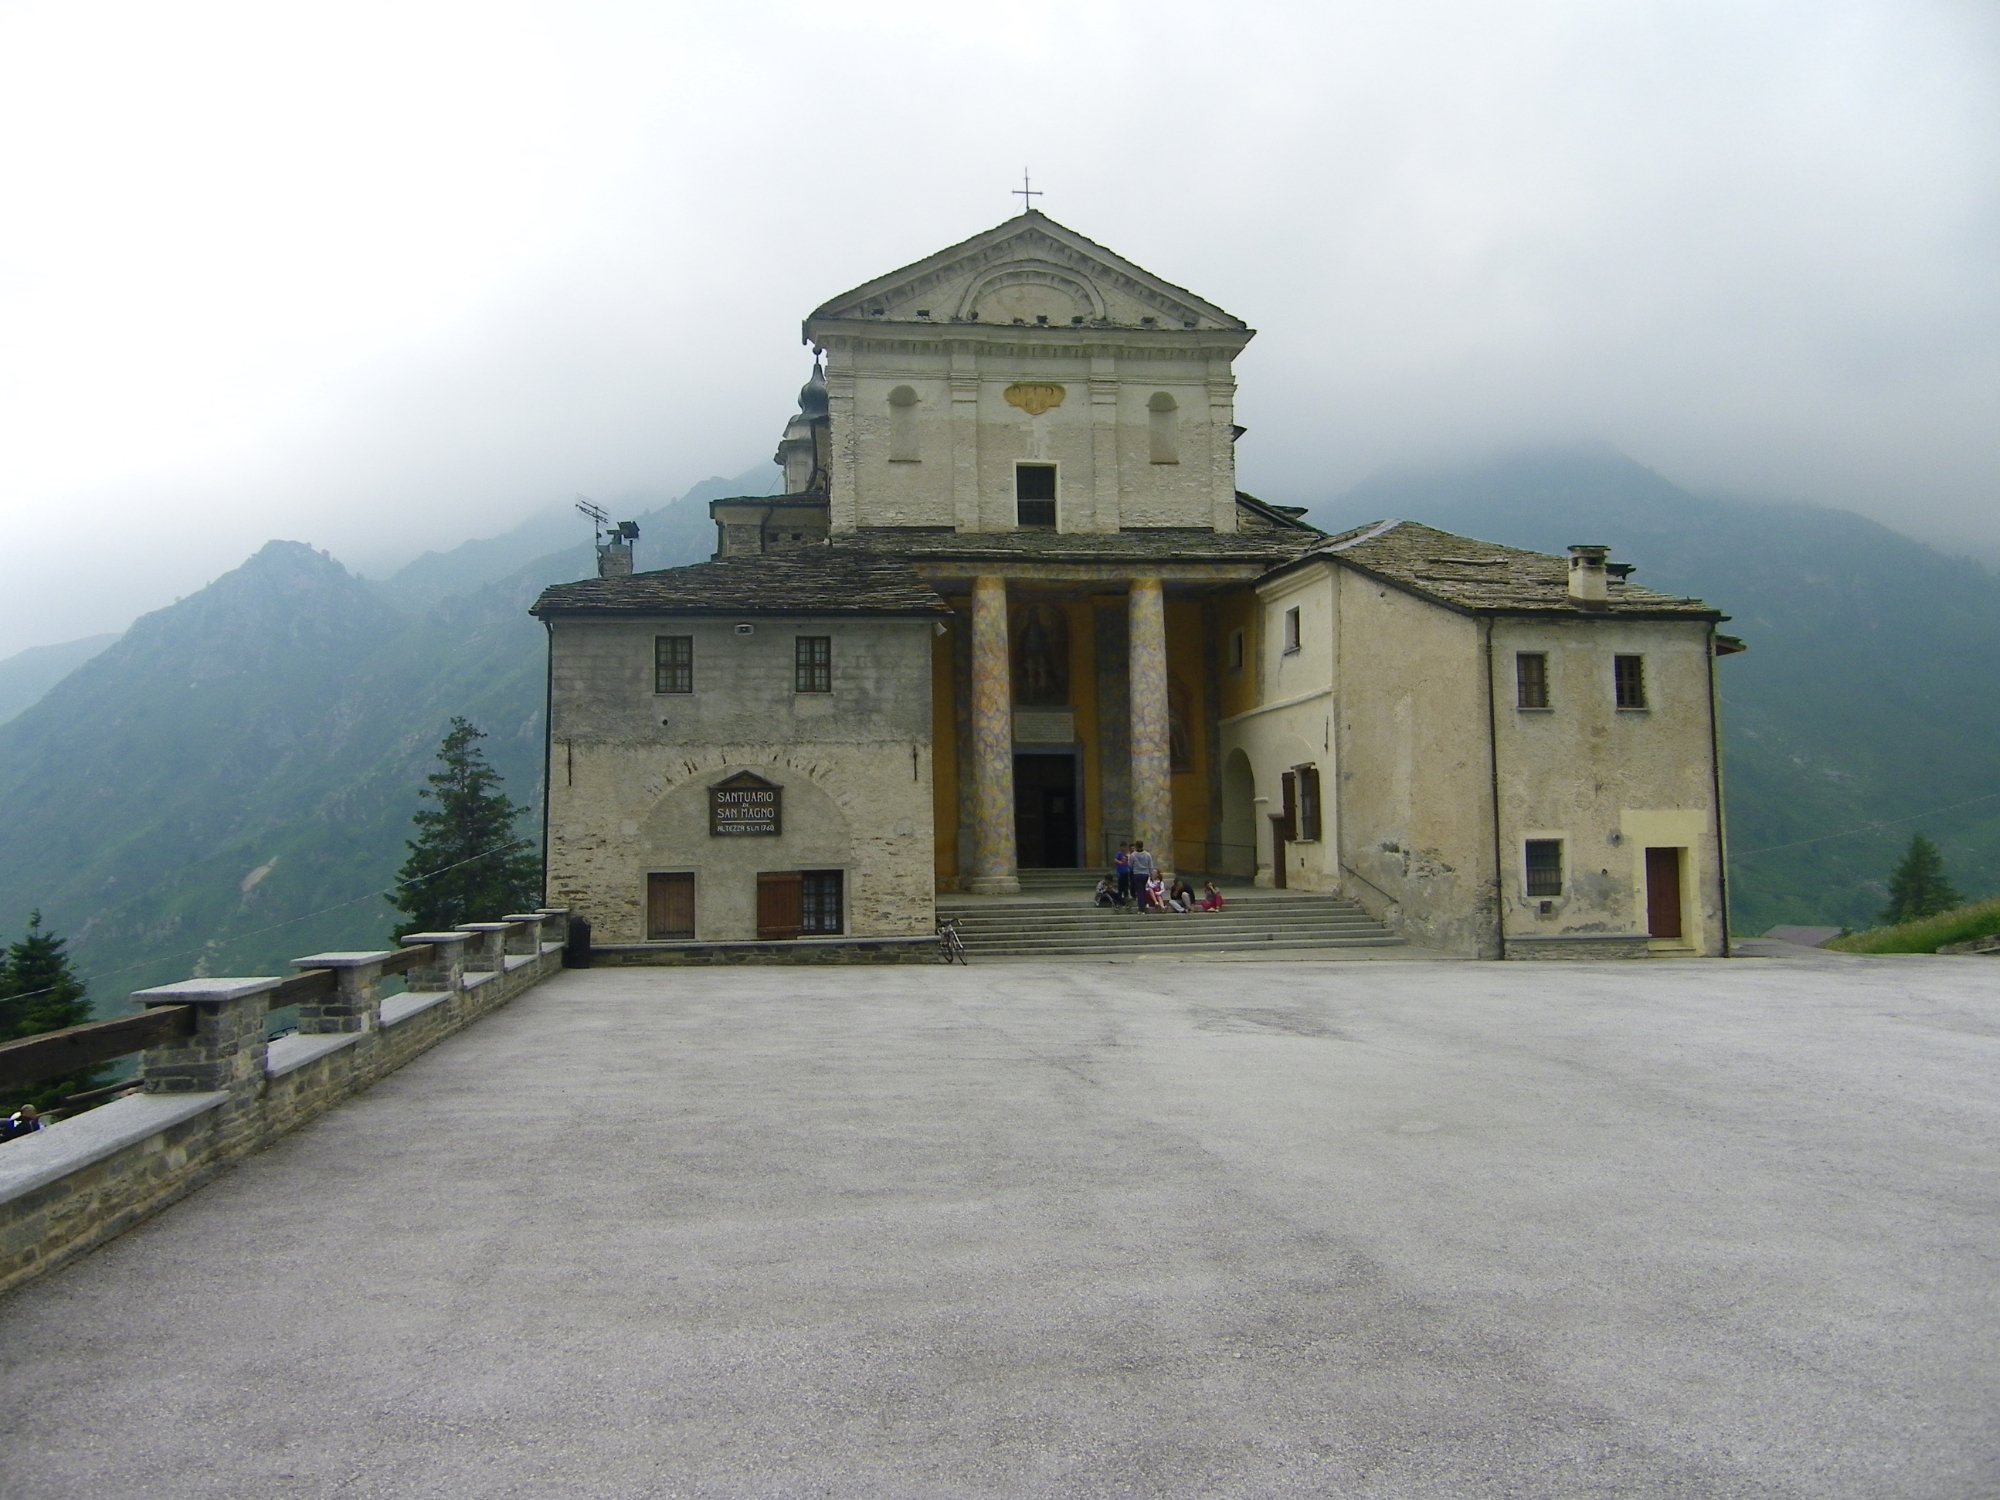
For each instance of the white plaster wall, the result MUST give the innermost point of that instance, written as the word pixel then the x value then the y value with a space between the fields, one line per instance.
pixel 872 489
pixel 630 769
pixel 1608 781
pixel 1415 790
pixel 1292 724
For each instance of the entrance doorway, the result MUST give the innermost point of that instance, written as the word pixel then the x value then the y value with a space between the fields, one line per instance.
pixel 1663 893
pixel 1047 801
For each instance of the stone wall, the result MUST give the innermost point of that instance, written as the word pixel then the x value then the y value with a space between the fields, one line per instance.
pixel 225 1091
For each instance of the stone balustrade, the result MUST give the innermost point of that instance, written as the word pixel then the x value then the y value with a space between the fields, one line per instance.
pixel 217 1089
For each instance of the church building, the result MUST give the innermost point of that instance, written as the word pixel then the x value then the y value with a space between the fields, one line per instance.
pixel 1011 611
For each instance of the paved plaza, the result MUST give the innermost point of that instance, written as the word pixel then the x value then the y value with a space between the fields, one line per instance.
pixel 1347 1229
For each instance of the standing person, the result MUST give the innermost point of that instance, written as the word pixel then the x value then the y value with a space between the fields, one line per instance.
pixel 1144 867
pixel 1122 865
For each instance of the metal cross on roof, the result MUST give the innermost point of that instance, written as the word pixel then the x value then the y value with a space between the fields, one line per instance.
pixel 1027 194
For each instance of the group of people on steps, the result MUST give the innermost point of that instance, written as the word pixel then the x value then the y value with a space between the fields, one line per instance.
pixel 1137 882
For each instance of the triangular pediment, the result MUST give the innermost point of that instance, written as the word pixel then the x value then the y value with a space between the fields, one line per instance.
pixel 1028 270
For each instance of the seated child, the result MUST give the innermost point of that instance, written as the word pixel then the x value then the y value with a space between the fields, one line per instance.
pixel 1211 897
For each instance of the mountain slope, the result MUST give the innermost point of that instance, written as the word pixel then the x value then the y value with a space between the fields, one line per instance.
pixel 27 675
pixel 231 784
pixel 1863 698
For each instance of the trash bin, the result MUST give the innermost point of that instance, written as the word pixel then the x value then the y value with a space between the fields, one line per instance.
pixel 576 950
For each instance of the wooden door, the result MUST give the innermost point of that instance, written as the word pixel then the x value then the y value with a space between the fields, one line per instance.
pixel 1663 893
pixel 781 907
pixel 1281 827
pixel 669 908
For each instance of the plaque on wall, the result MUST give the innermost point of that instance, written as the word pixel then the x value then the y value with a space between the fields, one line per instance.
pixel 745 805
pixel 1044 726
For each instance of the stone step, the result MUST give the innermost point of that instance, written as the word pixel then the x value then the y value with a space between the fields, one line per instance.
pixel 1254 921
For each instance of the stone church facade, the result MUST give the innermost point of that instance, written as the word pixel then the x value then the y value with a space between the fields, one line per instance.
pixel 1011 611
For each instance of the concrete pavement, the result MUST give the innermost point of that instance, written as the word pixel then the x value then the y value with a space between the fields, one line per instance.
pixel 1416 1229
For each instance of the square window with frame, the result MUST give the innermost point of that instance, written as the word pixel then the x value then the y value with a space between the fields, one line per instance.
pixel 1531 679
pixel 813 665
pixel 820 893
pixel 1292 636
pixel 1628 681
pixel 673 663
pixel 1035 496
pixel 1545 867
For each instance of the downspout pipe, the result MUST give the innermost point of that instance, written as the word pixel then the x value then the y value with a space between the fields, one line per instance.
pixel 548 747
pixel 1493 765
pixel 1715 782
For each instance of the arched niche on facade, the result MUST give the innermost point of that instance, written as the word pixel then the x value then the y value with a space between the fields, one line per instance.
pixel 1163 430
pixel 902 425
pixel 1238 854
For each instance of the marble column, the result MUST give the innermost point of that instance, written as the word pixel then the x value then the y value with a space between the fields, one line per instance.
pixel 1152 770
pixel 993 868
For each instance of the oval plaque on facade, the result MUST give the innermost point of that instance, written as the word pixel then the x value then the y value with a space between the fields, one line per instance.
pixel 745 805
pixel 1032 398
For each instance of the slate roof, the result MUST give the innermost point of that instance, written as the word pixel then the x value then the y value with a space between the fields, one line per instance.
pixel 1462 573
pixel 817 581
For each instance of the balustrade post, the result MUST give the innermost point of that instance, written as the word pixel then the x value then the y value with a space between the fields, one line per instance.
pixel 446 970
pixel 355 1005
pixel 226 1052
pixel 524 934
pixel 487 953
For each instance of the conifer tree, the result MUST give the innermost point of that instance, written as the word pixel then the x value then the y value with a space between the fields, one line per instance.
pixel 39 993
pixel 1919 887
pixel 468 862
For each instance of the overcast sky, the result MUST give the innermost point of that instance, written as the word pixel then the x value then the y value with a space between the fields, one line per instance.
pixel 382 277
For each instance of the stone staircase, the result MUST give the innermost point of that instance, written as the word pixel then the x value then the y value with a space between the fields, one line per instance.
pixel 1053 918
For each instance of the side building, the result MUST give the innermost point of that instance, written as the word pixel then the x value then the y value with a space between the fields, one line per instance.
pixel 1011 611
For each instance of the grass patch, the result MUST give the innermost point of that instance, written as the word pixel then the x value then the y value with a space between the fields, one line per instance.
pixel 1927 934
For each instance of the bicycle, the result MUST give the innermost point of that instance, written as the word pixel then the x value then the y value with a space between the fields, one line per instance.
pixel 950 945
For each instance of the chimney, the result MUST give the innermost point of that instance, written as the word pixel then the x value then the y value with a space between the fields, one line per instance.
pixel 1587 582
pixel 614 553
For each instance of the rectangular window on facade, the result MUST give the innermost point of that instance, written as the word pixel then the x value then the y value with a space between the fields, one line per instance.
pixel 669 908
pixel 1035 496
pixel 1309 802
pixel 1291 630
pixel 673 663
pixel 1531 679
pixel 1628 676
pixel 1545 867
pixel 820 902
pixel 1235 651
pixel 814 671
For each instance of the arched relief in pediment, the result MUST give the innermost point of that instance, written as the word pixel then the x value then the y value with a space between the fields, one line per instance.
pixel 1034 293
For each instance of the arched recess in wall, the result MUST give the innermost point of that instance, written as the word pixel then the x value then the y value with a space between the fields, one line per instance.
pixel 1238 854
pixel 902 425
pixel 1163 426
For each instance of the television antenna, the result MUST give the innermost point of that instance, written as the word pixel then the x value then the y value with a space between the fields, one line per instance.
pixel 599 518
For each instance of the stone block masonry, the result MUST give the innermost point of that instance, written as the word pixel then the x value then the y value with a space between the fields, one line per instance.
pixel 224 1091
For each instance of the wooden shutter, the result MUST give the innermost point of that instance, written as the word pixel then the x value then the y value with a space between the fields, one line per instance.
pixel 780 905
pixel 669 907
pixel 1290 785
pixel 1309 810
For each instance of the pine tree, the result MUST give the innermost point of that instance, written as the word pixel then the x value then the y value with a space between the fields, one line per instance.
pixel 1919 888
pixel 39 993
pixel 468 862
